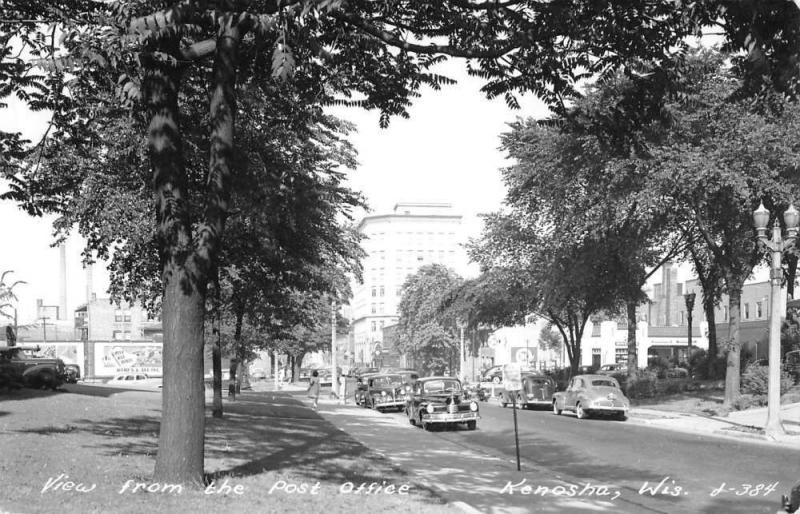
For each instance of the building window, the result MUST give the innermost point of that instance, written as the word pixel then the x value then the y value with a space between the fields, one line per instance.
pixel 126 316
pixel 374 292
pixel 382 291
pixel 127 335
pixel 747 311
pixel 118 315
pixel 759 310
pixel 621 355
pixel 382 324
pixel 380 308
pixel 374 310
pixel 116 335
pixel 373 326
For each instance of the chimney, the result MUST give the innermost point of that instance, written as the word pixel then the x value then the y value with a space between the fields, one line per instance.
pixel 62 297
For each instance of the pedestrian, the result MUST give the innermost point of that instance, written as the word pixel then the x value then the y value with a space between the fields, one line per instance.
pixel 313 388
pixel 342 389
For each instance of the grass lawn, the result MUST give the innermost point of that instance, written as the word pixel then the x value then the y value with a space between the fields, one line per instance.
pixel 706 398
pixel 268 454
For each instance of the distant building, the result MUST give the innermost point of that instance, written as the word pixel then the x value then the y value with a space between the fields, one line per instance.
pixel 397 244
pixel 103 338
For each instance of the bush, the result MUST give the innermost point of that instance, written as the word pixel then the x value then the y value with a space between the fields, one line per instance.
pixel 755 380
pixel 641 385
pixel 747 401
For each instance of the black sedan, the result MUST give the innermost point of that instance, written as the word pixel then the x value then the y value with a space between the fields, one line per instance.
pixel 441 401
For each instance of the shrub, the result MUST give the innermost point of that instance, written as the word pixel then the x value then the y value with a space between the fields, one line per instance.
pixel 641 385
pixel 755 380
pixel 747 401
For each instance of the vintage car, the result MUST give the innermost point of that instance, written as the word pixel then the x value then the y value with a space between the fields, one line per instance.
pixel 386 392
pixel 537 390
pixel 493 374
pixel 21 365
pixel 612 369
pixel 441 401
pixel 592 394
pixel 361 388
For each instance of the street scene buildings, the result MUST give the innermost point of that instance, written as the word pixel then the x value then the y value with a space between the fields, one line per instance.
pixel 417 257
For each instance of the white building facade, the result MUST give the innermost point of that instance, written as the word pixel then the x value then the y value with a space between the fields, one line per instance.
pixel 397 244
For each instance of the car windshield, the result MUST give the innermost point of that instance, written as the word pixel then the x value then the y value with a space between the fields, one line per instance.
pixel 604 383
pixel 442 386
pixel 387 381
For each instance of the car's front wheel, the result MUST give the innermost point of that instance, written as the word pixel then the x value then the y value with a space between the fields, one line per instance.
pixel 556 410
pixel 472 425
pixel 621 416
pixel 581 412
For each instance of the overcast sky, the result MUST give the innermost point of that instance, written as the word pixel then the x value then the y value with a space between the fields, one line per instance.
pixel 446 152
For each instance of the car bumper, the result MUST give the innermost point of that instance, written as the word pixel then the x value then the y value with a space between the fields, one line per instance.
pixel 607 409
pixel 450 417
pixel 538 401
pixel 391 404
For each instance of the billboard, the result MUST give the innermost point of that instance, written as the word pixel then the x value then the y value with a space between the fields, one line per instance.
pixel 113 358
pixel 523 355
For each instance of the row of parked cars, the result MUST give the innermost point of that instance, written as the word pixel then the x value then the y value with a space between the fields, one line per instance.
pixel 427 401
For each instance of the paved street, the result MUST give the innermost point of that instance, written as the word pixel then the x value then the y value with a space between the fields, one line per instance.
pixel 629 458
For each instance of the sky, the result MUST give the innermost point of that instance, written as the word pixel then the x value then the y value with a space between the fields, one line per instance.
pixel 446 152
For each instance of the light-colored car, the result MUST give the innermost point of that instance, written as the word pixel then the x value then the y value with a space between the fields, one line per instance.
pixel 611 369
pixel 588 395
pixel 135 380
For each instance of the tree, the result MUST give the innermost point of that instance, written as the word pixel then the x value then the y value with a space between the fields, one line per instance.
pixel 425 331
pixel 719 158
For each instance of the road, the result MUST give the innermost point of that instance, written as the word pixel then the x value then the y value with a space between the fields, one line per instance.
pixel 644 469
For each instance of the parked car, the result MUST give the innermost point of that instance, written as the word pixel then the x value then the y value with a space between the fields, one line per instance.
pixel 441 401
pixel 677 373
pixel 493 374
pixel 537 390
pixel 72 372
pixel 475 392
pixel 359 394
pixel 386 392
pixel 612 369
pixel 135 380
pixel 592 394
pixel 21 366
pixel 258 374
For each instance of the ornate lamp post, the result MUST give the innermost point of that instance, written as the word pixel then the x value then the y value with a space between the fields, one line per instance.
pixel 689 297
pixel 777 245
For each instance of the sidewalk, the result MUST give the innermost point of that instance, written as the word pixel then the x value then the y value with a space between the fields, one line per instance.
pixel 747 424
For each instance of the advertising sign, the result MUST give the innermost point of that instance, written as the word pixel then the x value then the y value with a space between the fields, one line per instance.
pixel 111 358
pixel 512 377
pixel 523 355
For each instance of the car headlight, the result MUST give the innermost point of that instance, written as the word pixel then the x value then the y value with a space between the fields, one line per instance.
pixel 383 393
pixel 429 408
pixel 473 406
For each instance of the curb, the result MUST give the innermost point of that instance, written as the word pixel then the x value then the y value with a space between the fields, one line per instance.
pixel 465 507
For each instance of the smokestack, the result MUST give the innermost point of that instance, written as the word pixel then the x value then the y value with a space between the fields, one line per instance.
pixel 89 286
pixel 62 297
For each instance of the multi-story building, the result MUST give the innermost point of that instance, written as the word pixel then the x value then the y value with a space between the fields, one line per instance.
pixel 397 244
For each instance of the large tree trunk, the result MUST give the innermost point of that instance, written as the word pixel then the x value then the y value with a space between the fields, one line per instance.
pixel 633 357
pixel 713 350
pixel 732 371
pixel 181 437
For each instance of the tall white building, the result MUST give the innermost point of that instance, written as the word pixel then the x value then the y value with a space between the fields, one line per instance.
pixel 397 244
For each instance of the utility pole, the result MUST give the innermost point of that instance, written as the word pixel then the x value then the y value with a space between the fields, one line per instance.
pixel 461 354
pixel 334 376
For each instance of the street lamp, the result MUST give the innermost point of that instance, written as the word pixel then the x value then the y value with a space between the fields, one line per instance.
pixel 777 245
pixel 689 297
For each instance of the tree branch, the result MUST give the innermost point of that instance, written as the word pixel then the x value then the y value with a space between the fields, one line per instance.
pixel 393 40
